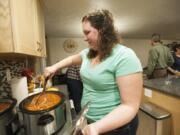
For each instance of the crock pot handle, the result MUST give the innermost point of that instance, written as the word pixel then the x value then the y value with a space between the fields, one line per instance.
pixel 9 126
pixel 45 119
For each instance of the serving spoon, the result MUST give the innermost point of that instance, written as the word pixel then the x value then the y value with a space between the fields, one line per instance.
pixel 43 91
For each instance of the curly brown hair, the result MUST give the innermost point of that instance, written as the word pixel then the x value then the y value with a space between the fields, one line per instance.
pixel 102 20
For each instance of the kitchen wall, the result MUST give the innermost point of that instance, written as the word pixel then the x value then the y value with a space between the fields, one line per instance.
pixel 142 47
pixel 56 51
pixel 15 66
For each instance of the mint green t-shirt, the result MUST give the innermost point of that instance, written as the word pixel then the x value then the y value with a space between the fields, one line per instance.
pixel 99 82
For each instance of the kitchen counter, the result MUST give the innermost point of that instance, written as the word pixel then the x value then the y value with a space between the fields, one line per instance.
pixel 170 85
pixel 166 95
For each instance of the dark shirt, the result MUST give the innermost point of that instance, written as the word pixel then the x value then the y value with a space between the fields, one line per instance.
pixel 176 65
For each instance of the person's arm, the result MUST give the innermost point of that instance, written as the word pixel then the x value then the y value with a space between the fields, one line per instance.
pixel 130 87
pixel 71 60
pixel 175 72
pixel 171 70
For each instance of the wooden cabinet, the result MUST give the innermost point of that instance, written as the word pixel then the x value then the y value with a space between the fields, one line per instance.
pixel 169 103
pixel 23 26
pixel 40 29
pixel 6 41
pixel 20 27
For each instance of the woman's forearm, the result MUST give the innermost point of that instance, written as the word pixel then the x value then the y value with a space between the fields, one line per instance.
pixel 63 63
pixel 71 60
pixel 117 118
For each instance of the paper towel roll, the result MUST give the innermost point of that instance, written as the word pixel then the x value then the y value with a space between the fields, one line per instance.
pixel 19 89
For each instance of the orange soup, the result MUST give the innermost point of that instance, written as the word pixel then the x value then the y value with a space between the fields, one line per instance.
pixel 43 101
pixel 4 106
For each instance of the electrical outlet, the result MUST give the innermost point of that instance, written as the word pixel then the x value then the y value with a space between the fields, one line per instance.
pixel 148 93
pixel 8 74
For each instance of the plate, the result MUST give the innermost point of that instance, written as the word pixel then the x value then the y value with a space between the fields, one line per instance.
pixel 37 90
pixel 52 89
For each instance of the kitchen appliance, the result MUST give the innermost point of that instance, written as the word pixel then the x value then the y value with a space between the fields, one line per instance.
pixel 9 122
pixel 44 122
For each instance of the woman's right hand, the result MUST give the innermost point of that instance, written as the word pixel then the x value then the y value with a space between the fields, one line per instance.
pixel 50 71
pixel 90 130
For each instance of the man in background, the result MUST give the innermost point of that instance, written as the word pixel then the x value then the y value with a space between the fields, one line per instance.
pixel 75 86
pixel 160 58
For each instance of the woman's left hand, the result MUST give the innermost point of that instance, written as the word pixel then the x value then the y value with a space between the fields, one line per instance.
pixel 90 130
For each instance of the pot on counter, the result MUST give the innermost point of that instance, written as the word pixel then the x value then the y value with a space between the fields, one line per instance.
pixel 43 121
pixel 9 122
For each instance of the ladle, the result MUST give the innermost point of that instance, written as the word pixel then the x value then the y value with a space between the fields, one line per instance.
pixel 44 89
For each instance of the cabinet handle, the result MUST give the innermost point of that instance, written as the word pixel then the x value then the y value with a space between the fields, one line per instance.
pixel 39 46
pixel 38 42
pixel 38 49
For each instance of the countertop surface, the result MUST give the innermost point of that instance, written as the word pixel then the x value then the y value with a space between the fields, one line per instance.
pixel 169 85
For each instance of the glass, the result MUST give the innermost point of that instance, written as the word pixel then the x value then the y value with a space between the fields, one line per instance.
pixel 168 80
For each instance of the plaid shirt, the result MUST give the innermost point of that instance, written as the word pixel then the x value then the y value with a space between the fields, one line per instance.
pixel 73 72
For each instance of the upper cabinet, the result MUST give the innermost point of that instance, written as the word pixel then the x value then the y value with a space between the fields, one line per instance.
pixel 6 41
pixel 40 29
pixel 22 27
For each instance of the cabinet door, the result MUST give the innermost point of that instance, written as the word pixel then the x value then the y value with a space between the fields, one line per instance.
pixel 23 26
pixel 40 29
pixel 6 42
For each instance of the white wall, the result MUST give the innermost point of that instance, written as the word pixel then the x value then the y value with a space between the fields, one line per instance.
pixel 56 51
pixel 141 47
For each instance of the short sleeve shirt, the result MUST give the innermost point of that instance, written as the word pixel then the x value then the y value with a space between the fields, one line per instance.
pixel 99 81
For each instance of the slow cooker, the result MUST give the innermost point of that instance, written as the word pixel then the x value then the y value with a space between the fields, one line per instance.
pixel 43 122
pixel 9 122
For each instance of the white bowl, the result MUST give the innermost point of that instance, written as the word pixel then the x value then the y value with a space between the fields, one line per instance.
pixel 37 90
